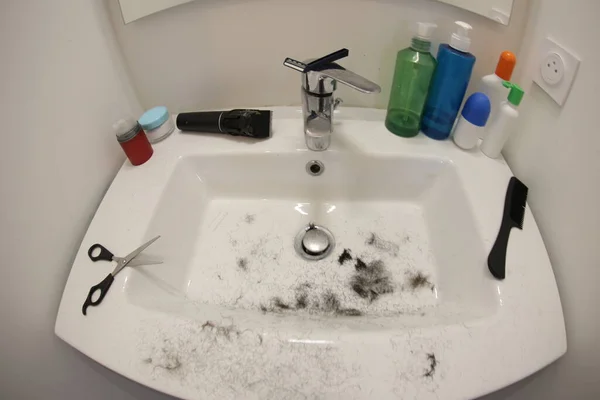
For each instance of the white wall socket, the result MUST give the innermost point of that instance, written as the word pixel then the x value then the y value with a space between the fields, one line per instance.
pixel 553 68
pixel 556 70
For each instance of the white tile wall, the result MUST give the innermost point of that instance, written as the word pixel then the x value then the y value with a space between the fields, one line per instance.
pixel 226 53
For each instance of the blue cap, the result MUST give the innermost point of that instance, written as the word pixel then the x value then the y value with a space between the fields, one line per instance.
pixel 477 109
pixel 153 118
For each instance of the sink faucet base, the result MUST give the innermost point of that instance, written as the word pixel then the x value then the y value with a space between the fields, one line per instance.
pixel 319 80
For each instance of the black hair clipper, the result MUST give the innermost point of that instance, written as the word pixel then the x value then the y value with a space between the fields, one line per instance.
pixel 249 123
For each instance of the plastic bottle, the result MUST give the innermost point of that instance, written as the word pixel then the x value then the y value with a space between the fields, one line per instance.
pixel 473 118
pixel 133 140
pixel 450 81
pixel 412 77
pixel 501 128
pixel 493 85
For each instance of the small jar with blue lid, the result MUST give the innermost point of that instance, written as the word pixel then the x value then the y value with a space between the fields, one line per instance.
pixel 157 124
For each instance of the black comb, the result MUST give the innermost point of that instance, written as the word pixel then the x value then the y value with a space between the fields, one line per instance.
pixel 514 212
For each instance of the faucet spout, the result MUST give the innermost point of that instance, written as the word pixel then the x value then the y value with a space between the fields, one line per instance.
pixel 351 79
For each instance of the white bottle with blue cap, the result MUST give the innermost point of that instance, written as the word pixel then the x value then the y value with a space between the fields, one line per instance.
pixel 473 118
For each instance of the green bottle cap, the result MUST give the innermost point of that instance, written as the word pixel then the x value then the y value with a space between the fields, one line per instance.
pixel 516 93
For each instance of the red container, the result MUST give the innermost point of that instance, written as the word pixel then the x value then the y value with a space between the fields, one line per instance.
pixel 133 140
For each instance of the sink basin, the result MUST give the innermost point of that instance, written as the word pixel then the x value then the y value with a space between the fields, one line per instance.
pixel 403 307
pixel 228 224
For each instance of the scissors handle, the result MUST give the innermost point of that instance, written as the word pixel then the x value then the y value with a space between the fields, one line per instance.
pixel 103 288
pixel 104 255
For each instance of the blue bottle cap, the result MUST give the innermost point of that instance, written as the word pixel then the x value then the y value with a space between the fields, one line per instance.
pixel 153 118
pixel 477 109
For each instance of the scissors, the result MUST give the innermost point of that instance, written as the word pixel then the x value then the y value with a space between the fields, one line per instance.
pixel 122 262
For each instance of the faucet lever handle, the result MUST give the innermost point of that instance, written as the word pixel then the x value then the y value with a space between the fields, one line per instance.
pixel 315 71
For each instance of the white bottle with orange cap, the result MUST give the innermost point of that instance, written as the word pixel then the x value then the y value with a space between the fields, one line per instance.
pixel 493 86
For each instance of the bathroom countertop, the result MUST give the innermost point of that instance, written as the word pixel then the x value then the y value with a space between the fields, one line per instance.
pixel 195 350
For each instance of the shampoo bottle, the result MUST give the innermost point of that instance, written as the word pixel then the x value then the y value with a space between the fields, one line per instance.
pixel 493 85
pixel 412 77
pixel 503 125
pixel 450 81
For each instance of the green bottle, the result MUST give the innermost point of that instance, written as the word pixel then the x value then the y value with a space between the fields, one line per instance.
pixel 412 77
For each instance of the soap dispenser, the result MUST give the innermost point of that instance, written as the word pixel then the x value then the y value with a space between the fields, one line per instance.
pixel 412 77
pixel 450 81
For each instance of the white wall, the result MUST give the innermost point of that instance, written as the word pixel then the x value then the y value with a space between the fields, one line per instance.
pixel 557 153
pixel 227 53
pixel 61 84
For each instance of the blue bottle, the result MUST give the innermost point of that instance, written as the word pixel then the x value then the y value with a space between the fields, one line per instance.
pixel 449 85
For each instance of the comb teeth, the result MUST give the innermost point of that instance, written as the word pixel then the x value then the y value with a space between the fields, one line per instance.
pixel 518 201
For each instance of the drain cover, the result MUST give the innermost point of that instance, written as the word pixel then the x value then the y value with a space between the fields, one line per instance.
pixel 314 242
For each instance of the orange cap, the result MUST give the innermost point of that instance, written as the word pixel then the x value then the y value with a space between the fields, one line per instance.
pixel 506 65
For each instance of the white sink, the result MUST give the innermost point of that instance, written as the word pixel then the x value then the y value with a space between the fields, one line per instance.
pixel 235 312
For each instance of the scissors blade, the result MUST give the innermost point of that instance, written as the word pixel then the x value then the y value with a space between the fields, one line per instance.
pixel 133 255
pixel 136 263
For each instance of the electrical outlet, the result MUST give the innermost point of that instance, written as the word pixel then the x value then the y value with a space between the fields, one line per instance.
pixel 553 69
pixel 557 69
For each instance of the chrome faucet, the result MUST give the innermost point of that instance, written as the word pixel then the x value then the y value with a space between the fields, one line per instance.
pixel 319 80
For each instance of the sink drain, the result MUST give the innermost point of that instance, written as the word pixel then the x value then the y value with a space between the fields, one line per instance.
pixel 314 242
pixel 315 167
